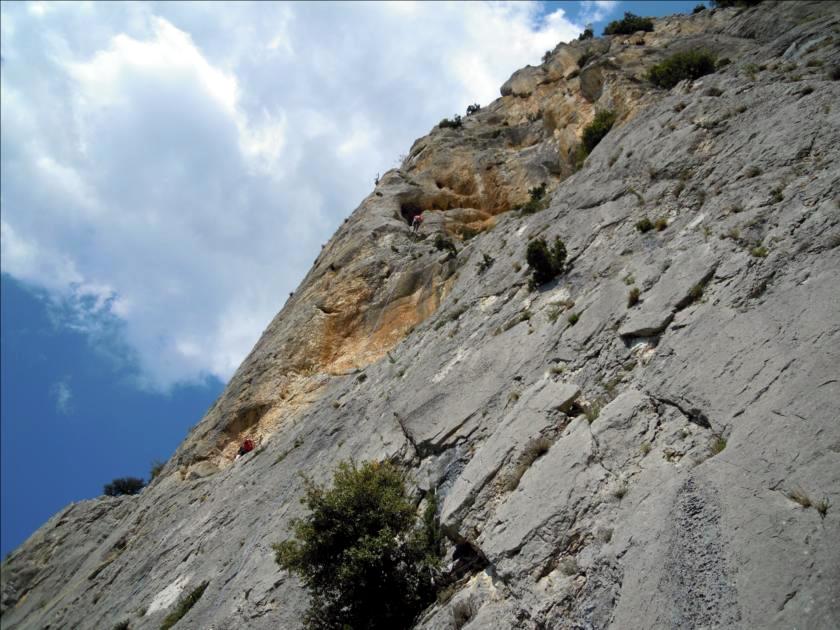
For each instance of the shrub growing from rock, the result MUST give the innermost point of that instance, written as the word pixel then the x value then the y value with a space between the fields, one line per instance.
pixel 485 263
pixel 595 131
pixel 695 293
pixel 535 449
pixel 691 64
pixel 123 485
pixel 455 123
pixel 822 506
pixel 546 262
pixel 359 552
pixel 644 225
pixel 157 466
pixel 537 202
pixel 183 606
pixel 628 25
pixel 588 33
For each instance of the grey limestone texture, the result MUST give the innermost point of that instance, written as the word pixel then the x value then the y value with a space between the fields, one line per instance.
pixel 690 469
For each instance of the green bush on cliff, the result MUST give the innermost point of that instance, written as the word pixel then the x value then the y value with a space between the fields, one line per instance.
pixel 595 131
pixel 455 123
pixel 546 262
pixel 360 553
pixel 691 64
pixel 124 485
pixel 183 606
pixel 538 201
pixel 628 25
pixel 157 467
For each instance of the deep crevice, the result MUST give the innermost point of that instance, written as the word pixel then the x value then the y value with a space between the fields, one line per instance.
pixel 692 414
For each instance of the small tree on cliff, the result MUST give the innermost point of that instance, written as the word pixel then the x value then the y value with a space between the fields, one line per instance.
pixel 546 262
pixel 359 551
pixel 124 485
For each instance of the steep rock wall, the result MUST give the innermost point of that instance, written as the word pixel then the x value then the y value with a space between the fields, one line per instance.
pixel 680 427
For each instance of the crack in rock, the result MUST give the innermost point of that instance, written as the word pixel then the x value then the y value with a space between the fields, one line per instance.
pixel 692 414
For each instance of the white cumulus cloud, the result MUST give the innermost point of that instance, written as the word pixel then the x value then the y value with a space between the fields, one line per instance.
pixel 597 10
pixel 177 166
pixel 62 394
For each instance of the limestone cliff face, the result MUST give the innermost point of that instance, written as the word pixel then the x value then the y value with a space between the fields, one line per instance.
pixel 679 427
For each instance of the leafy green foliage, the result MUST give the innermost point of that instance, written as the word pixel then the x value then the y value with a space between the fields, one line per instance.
pixel 358 552
pixel 485 263
pixel 546 263
pixel 123 485
pixel 699 8
pixel 595 131
pixel 628 25
pixel 588 33
pixel 431 533
pixel 537 202
pixel 535 449
pixel 537 192
pixel 695 293
pixel 473 109
pixel 157 466
pixel 455 123
pixel 822 506
pixel 183 606
pixel 691 64
pixel 644 225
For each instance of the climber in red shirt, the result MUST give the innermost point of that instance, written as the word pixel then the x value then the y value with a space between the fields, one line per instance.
pixel 247 447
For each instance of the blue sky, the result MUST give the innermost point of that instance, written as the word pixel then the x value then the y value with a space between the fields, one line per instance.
pixel 599 14
pixel 169 173
pixel 73 417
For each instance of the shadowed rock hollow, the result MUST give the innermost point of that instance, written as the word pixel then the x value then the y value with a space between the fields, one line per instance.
pixel 687 440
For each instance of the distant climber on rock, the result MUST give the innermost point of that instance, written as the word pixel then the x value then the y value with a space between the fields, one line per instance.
pixel 247 447
pixel 416 221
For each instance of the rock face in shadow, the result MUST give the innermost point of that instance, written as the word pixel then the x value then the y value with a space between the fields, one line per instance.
pixel 597 465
